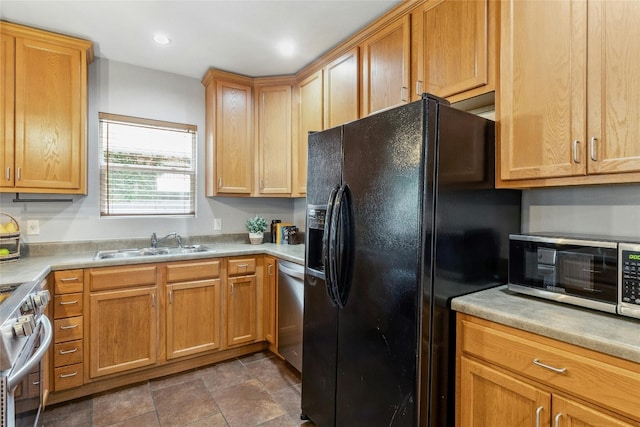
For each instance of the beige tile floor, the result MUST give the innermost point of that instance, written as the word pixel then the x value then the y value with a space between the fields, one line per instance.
pixel 255 390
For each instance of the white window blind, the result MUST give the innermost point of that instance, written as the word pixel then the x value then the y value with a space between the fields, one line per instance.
pixel 147 167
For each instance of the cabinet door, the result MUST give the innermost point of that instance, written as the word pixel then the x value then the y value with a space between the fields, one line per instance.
pixel 193 317
pixel 451 45
pixel 341 89
pixel 233 138
pixel 7 80
pixel 123 330
pixel 491 398
pixel 568 413
pixel 271 314
pixel 274 140
pixel 241 310
pixel 50 110
pixel 613 87
pixel 542 102
pixel 386 67
pixel 310 116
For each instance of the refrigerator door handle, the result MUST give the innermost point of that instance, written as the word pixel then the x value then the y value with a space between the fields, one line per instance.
pixel 326 246
pixel 342 242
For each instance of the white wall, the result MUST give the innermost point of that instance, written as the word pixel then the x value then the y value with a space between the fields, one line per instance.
pixel 604 210
pixel 119 88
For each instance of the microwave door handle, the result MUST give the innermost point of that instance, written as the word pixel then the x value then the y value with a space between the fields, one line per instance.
pixel 15 378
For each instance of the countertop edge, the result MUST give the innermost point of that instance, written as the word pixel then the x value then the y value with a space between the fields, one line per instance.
pixel 602 332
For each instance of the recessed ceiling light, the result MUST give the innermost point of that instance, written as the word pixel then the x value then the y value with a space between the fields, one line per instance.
pixel 286 48
pixel 161 39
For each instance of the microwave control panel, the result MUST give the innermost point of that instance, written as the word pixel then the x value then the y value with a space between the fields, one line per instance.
pixel 630 263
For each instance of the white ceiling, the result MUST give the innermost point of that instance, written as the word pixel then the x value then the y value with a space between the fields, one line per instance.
pixel 234 35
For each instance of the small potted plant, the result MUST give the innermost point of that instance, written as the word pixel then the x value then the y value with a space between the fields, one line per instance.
pixel 256 226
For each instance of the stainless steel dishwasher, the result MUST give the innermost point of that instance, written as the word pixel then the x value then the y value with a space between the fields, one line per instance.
pixel 290 306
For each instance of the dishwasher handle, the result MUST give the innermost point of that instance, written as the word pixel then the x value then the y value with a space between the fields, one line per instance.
pixel 291 271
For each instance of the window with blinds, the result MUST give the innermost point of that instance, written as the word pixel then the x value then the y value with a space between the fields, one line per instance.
pixel 147 167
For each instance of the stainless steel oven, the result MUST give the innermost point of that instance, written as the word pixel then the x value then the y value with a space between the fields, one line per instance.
pixel 25 335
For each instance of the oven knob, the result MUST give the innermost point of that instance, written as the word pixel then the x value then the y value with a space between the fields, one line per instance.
pixel 27 305
pixel 24 326
pixel 41 298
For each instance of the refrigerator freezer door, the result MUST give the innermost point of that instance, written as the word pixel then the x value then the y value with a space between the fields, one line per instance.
pixel 377 336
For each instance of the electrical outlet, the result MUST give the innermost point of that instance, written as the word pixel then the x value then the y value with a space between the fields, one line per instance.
pixel 217 224
pixel 33 227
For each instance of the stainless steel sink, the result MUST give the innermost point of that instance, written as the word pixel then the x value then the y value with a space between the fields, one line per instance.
pixel 140 252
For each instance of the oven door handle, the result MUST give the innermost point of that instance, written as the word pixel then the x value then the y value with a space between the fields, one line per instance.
pixel 14 379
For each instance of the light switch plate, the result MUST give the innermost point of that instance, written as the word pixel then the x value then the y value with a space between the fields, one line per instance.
pixel 33 227
pixel 217 224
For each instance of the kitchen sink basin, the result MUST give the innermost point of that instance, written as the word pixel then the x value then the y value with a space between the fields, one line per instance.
pixel 141 252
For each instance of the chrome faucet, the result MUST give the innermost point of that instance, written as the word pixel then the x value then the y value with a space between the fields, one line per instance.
pixel 155 240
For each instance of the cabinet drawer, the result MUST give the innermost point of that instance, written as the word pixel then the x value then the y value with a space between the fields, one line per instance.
pixel 184 272
pixel 68 377
pixel 67 329
pixel 68 281
pixel 595 377
pixel 67 305
pixel 102 279
pixel 238 266
pixel 67 353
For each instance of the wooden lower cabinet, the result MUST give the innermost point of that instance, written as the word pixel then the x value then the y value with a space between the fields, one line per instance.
pixel 241 310
pixel 193 307
pixel 503 381
pixel 123 332
pixel 271 310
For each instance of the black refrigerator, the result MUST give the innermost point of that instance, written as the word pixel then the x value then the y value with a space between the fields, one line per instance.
pixel 402 216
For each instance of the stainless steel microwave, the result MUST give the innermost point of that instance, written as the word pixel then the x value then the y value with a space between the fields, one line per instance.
pixel 593 272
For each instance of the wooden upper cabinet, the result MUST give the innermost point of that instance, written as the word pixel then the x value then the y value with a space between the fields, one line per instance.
pixel 542 104
pixel 613 89
pixel 341 100
pixel 274 139
pixel 454 47
pixel 7 80
pixel 229 133
pixel 567 104
pixel 386 67
pixel 45 90
pixel 310 119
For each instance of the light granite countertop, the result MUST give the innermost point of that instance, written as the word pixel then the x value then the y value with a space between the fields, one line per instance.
pixel 31 268
pixel 607 333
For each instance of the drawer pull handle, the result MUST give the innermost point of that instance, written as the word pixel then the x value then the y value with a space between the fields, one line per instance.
pixel 35 383
pixel 243 265
pixel 69 302
pixel 69 279
pixel 69 375
pixel 69 327
pixel 558 370
pixel 68 351
pixel 538 411
pixel 556 420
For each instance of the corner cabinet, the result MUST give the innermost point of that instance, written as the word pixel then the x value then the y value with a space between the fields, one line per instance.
pixel 509 377
pixel 386 67
pixel 273 124
pixel 229 134
pixel 310 119
pixel 567 104
pixel 455 48
pixel 44 111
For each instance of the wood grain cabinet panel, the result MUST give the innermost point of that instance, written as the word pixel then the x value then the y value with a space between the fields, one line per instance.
pixel 274 139
pixel 454 48
pixel 341 89
pixel 241 309
pixel 386 67
pixel 310 119
pixel 512 377
pixel 49 111
pixel 568 93
pixel 229 133
pixel 7 110
pixel 271 300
